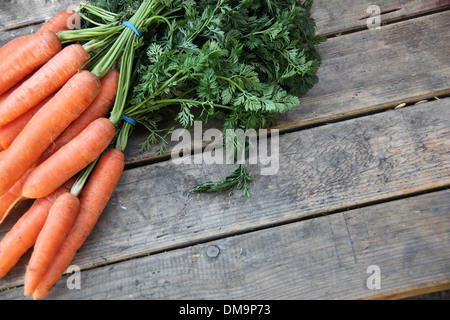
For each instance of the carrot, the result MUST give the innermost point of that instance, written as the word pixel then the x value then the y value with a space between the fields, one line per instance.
pixel 70 159
pixel 23 55
pixel 46 125
pixel 99 108
pixel 93 201
pixel 24 233
pixel 11 130
pixel 56 228
pixel 7 93
pixel 12 197
pixel 46 81
pixel 59 21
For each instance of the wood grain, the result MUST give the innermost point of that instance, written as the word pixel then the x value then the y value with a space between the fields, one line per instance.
pixel 323 258
pixel 325 170
pixel 335 17
pixel 322 170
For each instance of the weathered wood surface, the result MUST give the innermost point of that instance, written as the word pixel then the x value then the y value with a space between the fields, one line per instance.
pixel 334 17
pixel 15 14
pixel 324 258
pixel 322 170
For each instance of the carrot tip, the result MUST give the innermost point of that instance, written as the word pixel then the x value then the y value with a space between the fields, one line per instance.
pixel 38 296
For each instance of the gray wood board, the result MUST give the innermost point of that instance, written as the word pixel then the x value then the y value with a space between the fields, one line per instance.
pixel 362 72
pixel 334 17
pixel 322 170
pixel 404 242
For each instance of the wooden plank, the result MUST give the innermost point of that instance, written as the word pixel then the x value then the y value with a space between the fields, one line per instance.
pixel 5 37
pixel 406 242
pixel 322 170
pixel 365 72
pixel 334 17
pixel 15 14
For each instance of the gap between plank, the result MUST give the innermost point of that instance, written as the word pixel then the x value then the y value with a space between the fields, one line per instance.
pixel 312 124
pixel 385 23
pixel 266 227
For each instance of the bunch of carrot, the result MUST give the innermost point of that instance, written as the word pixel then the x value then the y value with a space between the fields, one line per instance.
pixel 53 125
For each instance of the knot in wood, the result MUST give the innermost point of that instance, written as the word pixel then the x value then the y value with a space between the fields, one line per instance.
pixel 212 251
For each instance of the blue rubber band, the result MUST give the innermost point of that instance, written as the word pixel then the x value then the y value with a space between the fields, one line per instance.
pixel 132 27
pixel 129 120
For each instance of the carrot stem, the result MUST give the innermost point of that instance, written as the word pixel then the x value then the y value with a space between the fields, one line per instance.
pixel 83 178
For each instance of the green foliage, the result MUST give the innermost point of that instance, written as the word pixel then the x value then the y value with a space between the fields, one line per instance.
pixel 244 62
pixel 238 179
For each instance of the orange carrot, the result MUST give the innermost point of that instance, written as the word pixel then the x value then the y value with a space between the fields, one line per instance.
pixel 11 130
pixel 59 22
pixel 12 197
pixel 46 125
pixel 24 233
pixel 70 159
pixel 56 228
pixel 7 93
pixel 93 201
pixel 99 108
pixel 46 81
pixel 23 55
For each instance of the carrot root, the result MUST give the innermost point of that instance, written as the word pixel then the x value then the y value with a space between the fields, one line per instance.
pixel 93 201
pixel 10 131
pixel 24 233
pixel 10 199
pixel 46 125
pixel 56 228
pixel 99 108
pixel 70 159
pixel 21 56
pixel 44 82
